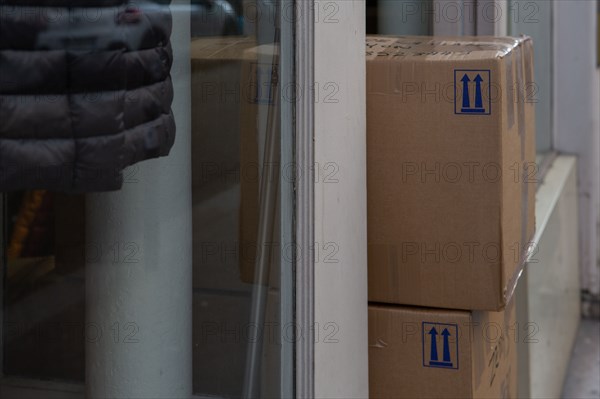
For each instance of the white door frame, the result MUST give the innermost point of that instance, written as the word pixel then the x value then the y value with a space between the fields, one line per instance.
pixel 340 251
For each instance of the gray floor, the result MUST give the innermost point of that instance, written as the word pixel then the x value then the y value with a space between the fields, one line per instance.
pixel 583 380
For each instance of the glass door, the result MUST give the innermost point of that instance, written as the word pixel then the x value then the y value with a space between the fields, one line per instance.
pixel 242 190
pixel 181 283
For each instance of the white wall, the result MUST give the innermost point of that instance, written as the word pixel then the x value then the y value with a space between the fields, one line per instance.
pixel 341 365
pixel 548 299
pixel 576 119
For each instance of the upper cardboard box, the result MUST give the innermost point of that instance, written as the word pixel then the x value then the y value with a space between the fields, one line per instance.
pixel 451 169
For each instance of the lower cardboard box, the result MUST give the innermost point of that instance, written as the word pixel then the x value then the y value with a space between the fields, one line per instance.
pixel 438 353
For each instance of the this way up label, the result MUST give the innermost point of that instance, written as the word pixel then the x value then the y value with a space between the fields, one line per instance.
pixel 440 345
pixel 472 92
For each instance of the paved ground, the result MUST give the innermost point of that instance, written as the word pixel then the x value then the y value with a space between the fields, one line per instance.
pixel 583 380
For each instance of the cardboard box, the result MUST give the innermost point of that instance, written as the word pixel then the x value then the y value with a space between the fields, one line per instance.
pixel 437 353
pixel 450 169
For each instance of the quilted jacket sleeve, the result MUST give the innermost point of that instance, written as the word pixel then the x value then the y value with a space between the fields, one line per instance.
pixel 85 90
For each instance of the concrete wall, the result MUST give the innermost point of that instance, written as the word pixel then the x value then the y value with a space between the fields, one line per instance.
pixel 547 297
pixel 576 120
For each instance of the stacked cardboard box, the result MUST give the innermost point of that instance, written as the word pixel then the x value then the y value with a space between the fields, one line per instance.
pixel 451 192
pixel 435 353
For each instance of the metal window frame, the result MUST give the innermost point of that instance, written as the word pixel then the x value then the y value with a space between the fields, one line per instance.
pixel 305 208
pixel 287 283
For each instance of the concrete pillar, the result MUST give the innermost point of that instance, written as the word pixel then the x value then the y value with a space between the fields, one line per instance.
pixel 139 265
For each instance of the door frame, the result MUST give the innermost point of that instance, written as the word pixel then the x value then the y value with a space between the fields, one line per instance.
pixel 304 226
pixel 340 209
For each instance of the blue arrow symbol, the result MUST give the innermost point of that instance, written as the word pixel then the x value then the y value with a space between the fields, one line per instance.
pixel 446 334
pixel 433 333
pixel 466 101
pixel 478 97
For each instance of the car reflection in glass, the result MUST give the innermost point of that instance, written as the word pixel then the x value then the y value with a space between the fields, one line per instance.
pixel 128 26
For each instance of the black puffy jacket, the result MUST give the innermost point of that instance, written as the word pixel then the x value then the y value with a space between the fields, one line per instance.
pixel 85 90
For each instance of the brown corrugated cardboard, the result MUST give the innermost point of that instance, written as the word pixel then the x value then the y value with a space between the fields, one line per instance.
pixel 437 353
pixel 451 169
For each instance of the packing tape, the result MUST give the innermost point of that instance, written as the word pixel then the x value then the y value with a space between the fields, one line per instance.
pixel 528 65
pixel 415 46
pixel 524 66
pixel 522 134
pixel 520 99
pixel 510 94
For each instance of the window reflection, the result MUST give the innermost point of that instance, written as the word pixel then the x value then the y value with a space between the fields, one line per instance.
pixel 235 151
pixel 237 213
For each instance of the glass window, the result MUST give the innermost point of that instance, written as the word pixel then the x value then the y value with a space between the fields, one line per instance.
pixel 534 18
pixel 182 279
pixel 400 17
pixel 240 188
